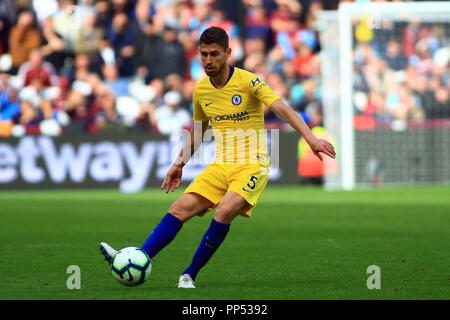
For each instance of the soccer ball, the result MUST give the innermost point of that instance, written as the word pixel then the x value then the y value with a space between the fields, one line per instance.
pixel 131 266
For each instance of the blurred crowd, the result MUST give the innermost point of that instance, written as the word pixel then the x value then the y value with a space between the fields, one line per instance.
pixel 401 72
pixel 99 66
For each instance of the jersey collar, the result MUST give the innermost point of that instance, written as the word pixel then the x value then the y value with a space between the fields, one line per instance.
pixel 229 77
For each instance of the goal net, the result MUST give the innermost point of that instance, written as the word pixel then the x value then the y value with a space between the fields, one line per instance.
pixel 386 84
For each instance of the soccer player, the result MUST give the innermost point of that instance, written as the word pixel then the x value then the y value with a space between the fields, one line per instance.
pixel 231 100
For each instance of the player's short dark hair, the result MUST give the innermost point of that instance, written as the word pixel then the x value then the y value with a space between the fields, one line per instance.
pixel 215 35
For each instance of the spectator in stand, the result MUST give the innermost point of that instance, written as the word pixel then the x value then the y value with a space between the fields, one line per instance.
pixel 313 9
pixel 169 55
pixel 193 68
pixel 34 67
pixel 77 109
pixel 5 28
pixel 26 118
pixel 89 36
pixel 187 91
pixel 403 105
pixel 118 85
pixel 84 80
pixel 305 98
pixel 257 25
pixel 275 81
pixel 5 81
pixel 104 12
pixel 9 103
pixel 8 14
pixel 394 56
pixel 422 60
pixel 305 53
pixel 219 19
pixel 280 18
pixel 174 82
pixel 435 99
pixel 106 118
pixel 81 67
pixel 44 11
pixel 409 38
pixel 65 25
pixel 51 120
pixel 185 16
pixel 289 74
pixel 158 87
pixel 53 49
pixel 170 118
pixel 376 107
pixel 142 15
pixel 440 104
pixel 122 39
pixel 24 38
pixel 286 37
pixel 202 13
pixel 36 92
pixel 145 51
pixel 379 77
pixel 123 6
pixel 275 59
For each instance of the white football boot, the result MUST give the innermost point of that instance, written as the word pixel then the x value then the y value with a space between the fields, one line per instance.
pixel 108 252
pixel 186 281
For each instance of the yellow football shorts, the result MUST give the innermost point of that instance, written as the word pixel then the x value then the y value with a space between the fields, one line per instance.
pixel 247 180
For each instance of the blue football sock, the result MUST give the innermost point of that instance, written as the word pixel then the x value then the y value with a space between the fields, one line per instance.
pixel 162 235
pixel 212 239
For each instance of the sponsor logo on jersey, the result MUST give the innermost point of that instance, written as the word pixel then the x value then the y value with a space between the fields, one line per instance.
pixel 254 82
pixel 236 117
pixel 262 85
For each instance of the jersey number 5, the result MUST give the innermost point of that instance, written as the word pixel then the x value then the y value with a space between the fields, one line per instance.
pixel 251 184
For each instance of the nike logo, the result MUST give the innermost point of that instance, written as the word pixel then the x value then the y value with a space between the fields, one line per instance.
pixel 207 104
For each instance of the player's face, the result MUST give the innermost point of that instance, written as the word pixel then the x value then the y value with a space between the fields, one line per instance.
pixel 214 58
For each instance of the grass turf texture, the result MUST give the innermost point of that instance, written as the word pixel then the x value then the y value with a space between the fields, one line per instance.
pixel 301 243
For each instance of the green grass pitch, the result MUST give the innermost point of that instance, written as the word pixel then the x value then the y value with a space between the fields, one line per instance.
pixel 301 243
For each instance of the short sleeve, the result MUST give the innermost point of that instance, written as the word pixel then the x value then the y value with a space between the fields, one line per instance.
pixel 261 90
pixel 199 115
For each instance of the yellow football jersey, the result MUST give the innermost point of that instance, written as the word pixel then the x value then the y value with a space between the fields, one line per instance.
pixel 236 114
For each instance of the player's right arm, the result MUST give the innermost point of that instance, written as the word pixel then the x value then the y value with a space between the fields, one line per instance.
pixel 173 178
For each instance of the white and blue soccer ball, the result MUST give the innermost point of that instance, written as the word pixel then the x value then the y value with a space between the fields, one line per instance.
pixel 131 266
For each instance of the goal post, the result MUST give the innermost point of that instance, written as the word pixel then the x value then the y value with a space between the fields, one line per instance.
pixel 384 122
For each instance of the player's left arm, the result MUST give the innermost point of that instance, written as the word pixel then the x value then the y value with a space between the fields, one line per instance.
pixel 295 121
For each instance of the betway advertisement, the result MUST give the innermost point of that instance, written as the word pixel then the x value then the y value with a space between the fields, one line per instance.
pixel 128 163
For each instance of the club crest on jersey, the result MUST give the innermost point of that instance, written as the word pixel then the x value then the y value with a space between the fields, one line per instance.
pixel 237 99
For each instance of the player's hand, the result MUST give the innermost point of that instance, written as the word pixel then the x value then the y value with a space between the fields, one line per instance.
pixel 321 145
pixel 173 178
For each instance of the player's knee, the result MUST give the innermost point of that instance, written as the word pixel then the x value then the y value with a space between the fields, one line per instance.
pixel 224 213
pixel 182 210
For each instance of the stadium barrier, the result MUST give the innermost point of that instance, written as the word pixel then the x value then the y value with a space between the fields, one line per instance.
pixel 131 163
pixel 127 162
pixel 416 155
